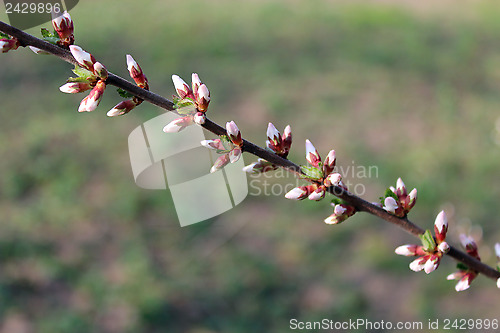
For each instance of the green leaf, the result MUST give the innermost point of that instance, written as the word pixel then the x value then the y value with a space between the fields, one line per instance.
pixel 428 241
pixel 4 35
pixel 462 267
pixel 77 79
pixel 50 37
pixel 311 172
pixel 124 94
pixel 82 72
pixel 46 33
pixel 388 193
pixel 226 143
pixel 186 110
pixel 338 201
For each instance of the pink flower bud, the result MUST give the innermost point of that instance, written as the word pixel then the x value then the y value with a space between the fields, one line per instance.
pixel 444 247
pixel 199 118
pixel 286 140
pixel 235 154
pixel 234 133
pixel 497 251
pixel 181 87
pixel 8 44
pixel 91 102
pixel 75 87
pixel 260 166
pixel 203 98
pixel 63 25
pixel 178 124
pixel 220 162
pixel 100 71
pixel 122 108
pixel 498 283
pixel 212 144
pixel 329 164
pixel 400 188
pixel 418 264
pixel 85 59
pixel 409 250
pixel 390 205
pixel 463 283
pixel 441 227
pixel 312 155
pixel 411 200
pixel 136 73
pixel 339 210
pixel 298 193
pixel 195 81
pixel 469 245
pixel 273 138
pixel 318 194
pixel 333 179
pixel 432 263
pixel 251 168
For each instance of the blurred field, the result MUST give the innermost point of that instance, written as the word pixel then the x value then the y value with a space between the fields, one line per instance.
pixel 409 87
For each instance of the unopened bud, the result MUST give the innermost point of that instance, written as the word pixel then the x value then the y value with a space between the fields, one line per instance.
pixel 91 102
pixel 75 87
pixel 178 124
pixel 312 155
pixel 122 108
pixel 85 59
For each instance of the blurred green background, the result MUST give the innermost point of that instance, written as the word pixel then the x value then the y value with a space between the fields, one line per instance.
pixel 411 87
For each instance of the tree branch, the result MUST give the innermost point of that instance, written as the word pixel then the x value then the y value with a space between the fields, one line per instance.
pixel 360 204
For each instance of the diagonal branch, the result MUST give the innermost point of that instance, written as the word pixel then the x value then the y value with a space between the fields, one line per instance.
pixel 360 204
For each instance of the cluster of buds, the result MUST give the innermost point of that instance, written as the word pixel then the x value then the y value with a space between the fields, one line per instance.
pixel 63 25
pixel 140 80
pixel 341 211
pixel 277 143
pixel 91 75
pixel 8 43
pixel 398 201
pixel 228 146
pixel 321 173
pixel 431 251
pixel 465 275
pixel 192 102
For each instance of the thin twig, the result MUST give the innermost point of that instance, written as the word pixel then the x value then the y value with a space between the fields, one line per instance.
pixel 360 204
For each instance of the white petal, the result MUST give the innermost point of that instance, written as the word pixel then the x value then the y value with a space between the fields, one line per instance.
pixel 441 221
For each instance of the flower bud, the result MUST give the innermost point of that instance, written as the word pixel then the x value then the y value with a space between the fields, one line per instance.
pixel 195 81
pixel 318 194
pixel 469 245
pixel 181 87
pixel 409 250
pixel 235 154
pixel 63 25
pixel 75 87
pixel 286 140
pixel 199 118
pixel 91 102
pixel 8 44
pixel 100 71
pixel 400 188
pixel 203 98
pixel 441 227
pixel 260 166
pixel 498 283
pixel 122 108
pixel 212 144
pixel 220 162
pixel 312 155
pixel 444 247
pixel 329 164
pixel 85 59
pixel 432 263
pixel 273 138
pixel 136 73
pixel 333 179
pixel 298 193
pixel 390 205
pixel 418 264
pixel 234 133
pixel 497 251
pixel 178 124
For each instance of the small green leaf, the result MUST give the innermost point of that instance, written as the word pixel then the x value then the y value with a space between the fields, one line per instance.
pixel 338 201
pixel 462 267
pixel 428 241
pixel 388 193
pixel 50 37
pixel 226 143
pixel 77 79
pixel 311 172
pixel 123 93
pixel 46 33
pixel 4 35
pixel 82 72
